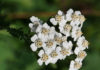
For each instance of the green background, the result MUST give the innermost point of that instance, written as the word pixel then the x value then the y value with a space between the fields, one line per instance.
pixel 15 53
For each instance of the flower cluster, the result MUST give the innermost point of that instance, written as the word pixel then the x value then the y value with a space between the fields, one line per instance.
pixel 52 40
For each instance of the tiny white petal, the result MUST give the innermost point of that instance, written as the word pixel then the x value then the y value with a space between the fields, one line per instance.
pixel 59 35
pixel 53 21
pixel 33 47
pixel 77 50
pixel 72 64
pixel 60 12
pixel 65 43
pixel 40 62
pixel 70 44
pixel 77 12
pixel 39 28
pixel 46 25
pixel 39 35
pixel 33 18
pixel 43 44
pixel 30 25
pixel 62 23
pixel 51 36
pixel 58 49
pixel 41 52
pixel 70 11
pixel 33 38
pixel 48 61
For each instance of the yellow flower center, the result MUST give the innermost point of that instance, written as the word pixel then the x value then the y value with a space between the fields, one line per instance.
pixel 38 43
pixel 58 18
pixel 81 18
pixel 64 51
pixel 45 31
pixel 58 39
pixel 75 17
pixel 85 43
pixel 54 54
pixel 77 65
pixel 49 43
pixel 64 38
pixel 81 54
pixel 44 57
pixel 67 27
pixel 78 33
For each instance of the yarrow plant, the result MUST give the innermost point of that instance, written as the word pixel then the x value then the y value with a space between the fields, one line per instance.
pixel 52 40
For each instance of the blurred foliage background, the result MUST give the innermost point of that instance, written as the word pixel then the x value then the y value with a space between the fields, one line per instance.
pixel 15 53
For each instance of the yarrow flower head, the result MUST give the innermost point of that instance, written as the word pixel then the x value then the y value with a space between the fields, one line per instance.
pixel 55 42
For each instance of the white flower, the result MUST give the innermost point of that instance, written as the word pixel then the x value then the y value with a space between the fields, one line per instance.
pixel 75 24
pixel 55 55
pixel 76 33
pixel 67 45
pixel 43 58
pixel 75 65
pixel 69 15
pixel 50 45
pixel 76 15
pixel 65 29
pixel 77 19
pixel 82 43
pixel 58 38
pixel 43 28
pixel 37 43
pixel 66 50
pixel 81 55
pixel 43 31
pixel 59 19
pixel 35 22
